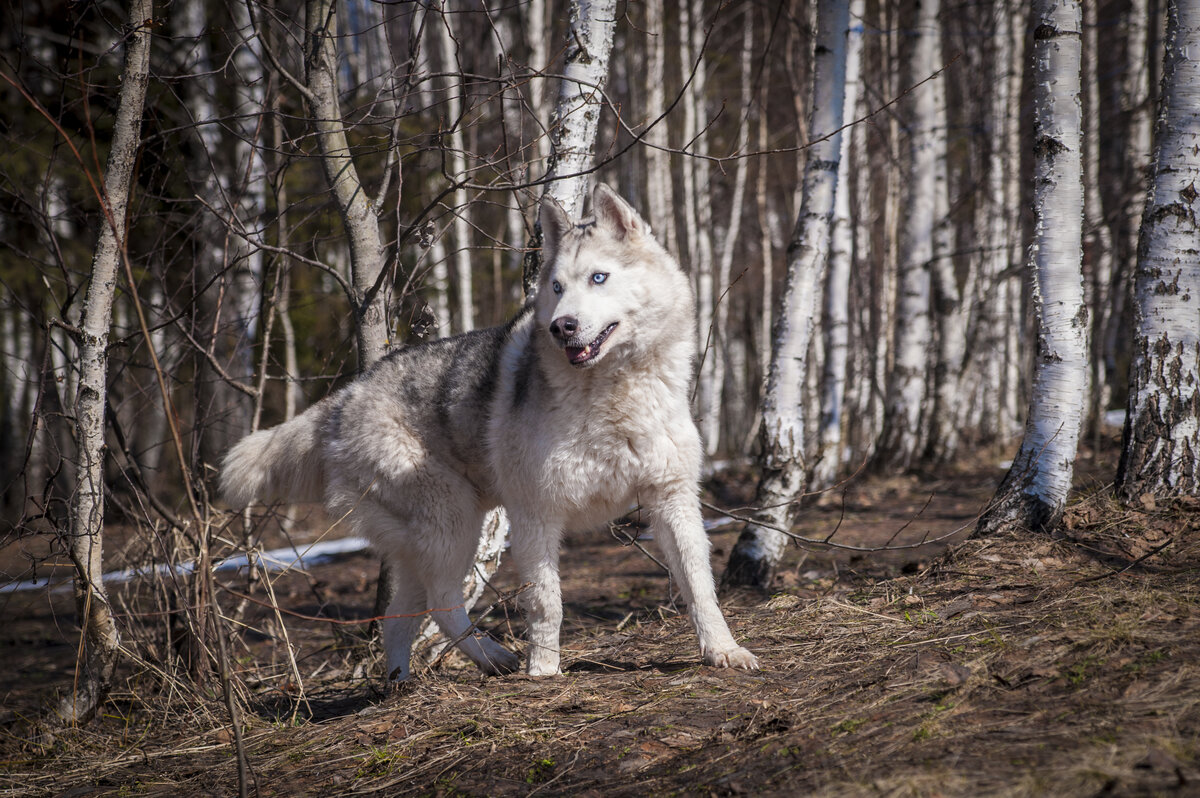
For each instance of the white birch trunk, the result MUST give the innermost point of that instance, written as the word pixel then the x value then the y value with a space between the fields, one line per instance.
pixel 517 155
pixel 250 179
pixel 370 285
pixel 837 287
pixel 660 190
pixel 1161 453
pixel 538 39
pixel 1012 295
pixel 456 163
pixel 433 247
pixel 761 544
pixel 1137 103
pixel 1034 492
pixel 222 414
pixel 100 637
pixel 1098 240
pixel 944 419
pixel 576 120
pixel 993 391
pixel 914 333
pixel 721 341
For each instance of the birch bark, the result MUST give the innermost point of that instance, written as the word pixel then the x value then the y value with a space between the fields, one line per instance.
pixel 761 544
pixel 1033 493
pixel 697 202
pixel 456 162
pixel 100 636
pixel 660 190
pixel 837 289
pixel 371 288
pixel 576 116
pixel 432 243
pixel 1098 240
pixel 1161 453
pixel 721 340
pixel 902 437
pixel 517 149
pixel 225 291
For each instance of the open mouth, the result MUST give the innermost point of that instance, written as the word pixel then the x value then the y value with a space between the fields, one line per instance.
pixel 579 355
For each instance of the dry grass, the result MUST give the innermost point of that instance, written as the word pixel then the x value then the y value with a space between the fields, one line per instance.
pixel 1019 666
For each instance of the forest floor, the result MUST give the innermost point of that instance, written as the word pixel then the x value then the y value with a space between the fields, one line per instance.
pixel 1015 666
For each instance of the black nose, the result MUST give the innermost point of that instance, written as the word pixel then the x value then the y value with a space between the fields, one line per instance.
pixel 564 327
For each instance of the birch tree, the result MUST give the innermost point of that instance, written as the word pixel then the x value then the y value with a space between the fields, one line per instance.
pixel 456 161
pixel 837 289
pixel 100 637
pixel 660 193
pixel 433 246
pixel 1161 451
pixel 576 119
pixel 721 338
pixel 369 289
pixel 697 213
pixel 1033 493
pixel 1098 240
pixel 783 469
pixel 227 269
pixel 906 389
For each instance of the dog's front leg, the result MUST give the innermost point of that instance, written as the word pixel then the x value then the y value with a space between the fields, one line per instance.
pixel 679 530
pixel 535 548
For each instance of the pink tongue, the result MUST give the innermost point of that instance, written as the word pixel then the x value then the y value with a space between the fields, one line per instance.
pixel 578 354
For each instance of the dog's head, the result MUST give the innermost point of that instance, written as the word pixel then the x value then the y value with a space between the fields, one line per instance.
pixel 607 288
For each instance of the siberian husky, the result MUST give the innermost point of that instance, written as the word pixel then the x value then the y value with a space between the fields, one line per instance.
pixel 568 415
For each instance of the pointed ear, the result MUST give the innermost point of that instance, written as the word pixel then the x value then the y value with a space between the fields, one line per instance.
pixel 555 224
pixel 615 214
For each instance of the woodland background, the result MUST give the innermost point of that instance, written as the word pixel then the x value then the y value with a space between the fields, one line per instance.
pixel 237 304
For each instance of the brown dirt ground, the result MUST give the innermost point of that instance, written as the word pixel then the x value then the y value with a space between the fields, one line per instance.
pixel 1015 666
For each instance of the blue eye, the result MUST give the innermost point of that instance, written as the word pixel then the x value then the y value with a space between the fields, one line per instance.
pixel 557 287
pixel 599 277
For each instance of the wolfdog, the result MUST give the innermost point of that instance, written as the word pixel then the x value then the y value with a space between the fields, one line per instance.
pixel 570 414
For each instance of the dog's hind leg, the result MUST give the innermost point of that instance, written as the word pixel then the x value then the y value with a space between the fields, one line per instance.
pixel 405 613
pixel 444 586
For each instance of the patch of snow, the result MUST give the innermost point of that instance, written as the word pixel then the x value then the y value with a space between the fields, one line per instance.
pixel 282 559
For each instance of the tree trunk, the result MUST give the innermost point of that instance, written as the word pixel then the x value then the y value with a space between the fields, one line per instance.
pixel 1033 493
pixel 760 546
pixel 432 242
pixel 222 295
pixel 100 638
pixel 370 284
pixel 538 39
pixel 837 288
pixel 1098 241
pixel 456 163
pixel 1161 452
pixel 516 151
pixel 576 116
pixel 906 409
pixel 660 190
pixel 697 202
pixel 722 339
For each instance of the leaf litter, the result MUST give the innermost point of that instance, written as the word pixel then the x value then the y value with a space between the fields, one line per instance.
pixel 1021 665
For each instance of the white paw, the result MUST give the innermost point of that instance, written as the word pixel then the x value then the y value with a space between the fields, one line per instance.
pixel 542 666
pixel 732 658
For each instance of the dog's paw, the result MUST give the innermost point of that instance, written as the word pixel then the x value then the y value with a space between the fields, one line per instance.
pixel 500 661
pixel 540 672
pixel 732 658
pixel 542 666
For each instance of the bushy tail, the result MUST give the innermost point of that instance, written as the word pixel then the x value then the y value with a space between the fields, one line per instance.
pixel 279 464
